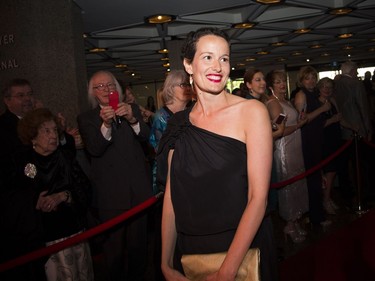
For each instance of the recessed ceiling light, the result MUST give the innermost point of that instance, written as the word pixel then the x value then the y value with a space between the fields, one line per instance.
pixel 160 19
pixel 263 53
pixel 268 2
pixel 163 51
pixel 243 25
pixel 302 30
pixel 120 65
pixel 296 53
pixel 345 35
pixel 348 48
pixel 324 55
pixel 240 64
pixel 167 64
pixel 164 59
pixel 250 59
pixel 316 46
pixel 340 11
pixel 281 59
pixel 279 44
pixel 97 50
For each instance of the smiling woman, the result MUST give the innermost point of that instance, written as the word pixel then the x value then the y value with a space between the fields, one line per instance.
pixel 218 149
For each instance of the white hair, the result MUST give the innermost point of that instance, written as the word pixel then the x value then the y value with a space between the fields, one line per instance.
pixel 348 66
pixel 91 96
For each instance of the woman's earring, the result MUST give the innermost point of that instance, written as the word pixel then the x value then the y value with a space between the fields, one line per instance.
pixel 191 79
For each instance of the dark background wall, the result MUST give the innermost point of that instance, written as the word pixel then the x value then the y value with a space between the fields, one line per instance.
pixel 42 41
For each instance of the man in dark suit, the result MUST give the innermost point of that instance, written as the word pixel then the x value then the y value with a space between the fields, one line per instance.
pixel 19 99
pixel 120 175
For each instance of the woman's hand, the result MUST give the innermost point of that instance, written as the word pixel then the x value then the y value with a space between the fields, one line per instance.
pixel 171 274
pixel 278 131
pixel 301 122
pixel 326 106
pixel 49 203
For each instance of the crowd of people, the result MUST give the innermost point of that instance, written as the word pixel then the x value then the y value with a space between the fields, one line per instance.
pixel 213 154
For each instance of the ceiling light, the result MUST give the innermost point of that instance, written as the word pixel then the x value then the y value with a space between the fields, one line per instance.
pixel 97 50
pixel 324 55
pixel 279 44
pixel 268 2
pixel 251 59
pixel 340 11
pixel 307 60
pixel 243 25
pixel 160 19
pixel 263 53
pixel 316 46
pixel 120 65
pixel 302 30
pixel 164 59
pixel 240 64
pixel 348 48
pixel 281 59
pixel 163 51
pixel 296 53
pixel 167 64
pixel 345 35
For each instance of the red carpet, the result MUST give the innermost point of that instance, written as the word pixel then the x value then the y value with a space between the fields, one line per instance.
pixel 344 255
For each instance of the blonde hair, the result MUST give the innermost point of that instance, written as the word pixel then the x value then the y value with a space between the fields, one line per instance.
pixel 304 72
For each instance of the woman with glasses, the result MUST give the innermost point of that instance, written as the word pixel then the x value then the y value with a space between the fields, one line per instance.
pixel 175 94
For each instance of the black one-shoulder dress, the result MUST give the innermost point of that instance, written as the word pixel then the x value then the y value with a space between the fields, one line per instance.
pixel 209 186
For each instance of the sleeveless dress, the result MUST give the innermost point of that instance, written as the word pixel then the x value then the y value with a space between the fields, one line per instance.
pixel 332 141
pixel 209 192
pixel 312 143
pixel 288 157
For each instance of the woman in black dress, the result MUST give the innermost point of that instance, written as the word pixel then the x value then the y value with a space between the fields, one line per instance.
pixel 331 142
pixel 307 103
pixel 219 165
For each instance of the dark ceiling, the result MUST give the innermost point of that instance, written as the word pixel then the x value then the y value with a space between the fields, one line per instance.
pixel 119 26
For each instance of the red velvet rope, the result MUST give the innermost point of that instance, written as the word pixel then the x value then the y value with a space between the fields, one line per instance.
pixel 313 169
pixel 124 216
pixel 79 237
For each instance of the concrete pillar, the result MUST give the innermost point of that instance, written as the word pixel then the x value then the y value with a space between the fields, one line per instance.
pixel 41 41
pixel 174 48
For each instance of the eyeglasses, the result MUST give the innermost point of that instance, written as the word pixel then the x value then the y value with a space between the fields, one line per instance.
pixel 184 85
pixel 22 95
pixel 102 87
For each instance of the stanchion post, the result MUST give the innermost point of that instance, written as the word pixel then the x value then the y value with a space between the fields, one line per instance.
pixel 359 208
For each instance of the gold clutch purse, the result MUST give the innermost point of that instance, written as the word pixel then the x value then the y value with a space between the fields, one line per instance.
pixel 196 267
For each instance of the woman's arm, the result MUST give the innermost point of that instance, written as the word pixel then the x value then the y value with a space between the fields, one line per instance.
pixel 169 234
pixel 258 135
